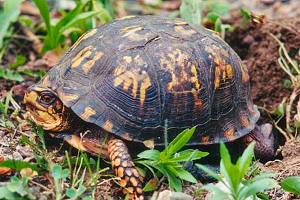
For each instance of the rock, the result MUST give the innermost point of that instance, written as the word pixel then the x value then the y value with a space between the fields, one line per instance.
pixel 169 195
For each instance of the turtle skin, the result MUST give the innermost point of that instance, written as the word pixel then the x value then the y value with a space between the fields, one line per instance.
pixel 136 74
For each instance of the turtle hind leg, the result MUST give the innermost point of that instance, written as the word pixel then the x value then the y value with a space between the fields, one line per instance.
pixel 124 168
pixel 266 143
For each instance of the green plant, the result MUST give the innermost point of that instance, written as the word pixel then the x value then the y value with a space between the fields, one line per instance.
pixel 292 68
pixel 8 15
pixel 291 184
pixel 206 12
pixel 55 36
pixel 232 183
pixel 18 165
pixel 16 189
pixel 169 161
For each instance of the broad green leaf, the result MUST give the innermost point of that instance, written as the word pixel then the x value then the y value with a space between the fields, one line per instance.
pixel 179 142
pixel 183 174
pixel 174 182
pixel 6 194
pixel 262 176
pixel 246 14
pixel 18 165
pixel 56 172
pixel 44 11
pixel 103 15
pixel 77 18
pixel 10 75
pixel 212 16
pixel 218 194
pixel 220 8
pixel 188 155
pixel 149 154
pixel 151 185
pixel 209 172
pixel 17 185
pixel 71 193
pixel 191 11
pixel 291 184
pixel 246 159
pixel 62 23
pixel 8 15
pixel 256 187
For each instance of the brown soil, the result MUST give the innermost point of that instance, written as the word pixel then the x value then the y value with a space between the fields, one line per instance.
pixel 288 166
pixel 259 52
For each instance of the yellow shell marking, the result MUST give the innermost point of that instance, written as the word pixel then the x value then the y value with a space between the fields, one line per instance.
pixel 127 59
pixel 108 125
pixel 177 57
pixel 229 71
pixel 135 78
pixel 131 33
pixel 84 36
pixel 88 112
pixel 69 97
pixel 217 77
pixel 194 78
pixel 186 32
pixel 83 54
pixel 89 64
pixel 197 100
pixel 126 17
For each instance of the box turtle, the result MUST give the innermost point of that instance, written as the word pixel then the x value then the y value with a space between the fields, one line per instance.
pixel 121 81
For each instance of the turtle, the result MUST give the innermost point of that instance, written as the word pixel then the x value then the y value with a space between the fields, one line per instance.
pixel 124 82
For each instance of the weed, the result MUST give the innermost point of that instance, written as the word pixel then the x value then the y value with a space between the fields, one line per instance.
pixel 206 12
pixel 232 183
pixel 5 104
pixel 292 68
pixel 8 15
pixel 69 23
pixel 169 161
pixel 16 189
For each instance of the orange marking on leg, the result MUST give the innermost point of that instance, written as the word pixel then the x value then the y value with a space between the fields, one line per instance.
pixel 120 172
pixel 117 162
pixel 133 181
pixel 123 182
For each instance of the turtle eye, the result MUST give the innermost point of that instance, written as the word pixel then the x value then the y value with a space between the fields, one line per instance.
pixel 47 98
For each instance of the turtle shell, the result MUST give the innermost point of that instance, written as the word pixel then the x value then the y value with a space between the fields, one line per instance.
pixel 137 74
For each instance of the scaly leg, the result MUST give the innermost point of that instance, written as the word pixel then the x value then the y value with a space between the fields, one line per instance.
pixel 124 168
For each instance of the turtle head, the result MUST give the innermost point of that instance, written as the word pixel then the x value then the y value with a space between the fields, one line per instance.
pixel 46 109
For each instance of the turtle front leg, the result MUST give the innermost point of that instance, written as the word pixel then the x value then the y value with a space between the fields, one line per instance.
pixel 124 168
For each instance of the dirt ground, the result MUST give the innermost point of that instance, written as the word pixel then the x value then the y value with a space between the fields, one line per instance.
pixel 259 52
